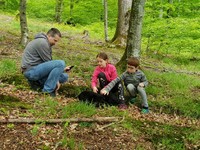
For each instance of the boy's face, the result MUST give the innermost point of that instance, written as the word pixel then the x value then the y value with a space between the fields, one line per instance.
pixel 131 69
pixel 102 63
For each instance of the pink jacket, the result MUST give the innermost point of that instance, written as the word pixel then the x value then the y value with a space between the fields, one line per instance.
pixel 109 71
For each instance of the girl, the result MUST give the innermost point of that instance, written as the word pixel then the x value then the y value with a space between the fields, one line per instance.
pixel 103 74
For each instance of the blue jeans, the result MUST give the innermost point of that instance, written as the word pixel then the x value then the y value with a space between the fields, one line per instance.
pixel 47 74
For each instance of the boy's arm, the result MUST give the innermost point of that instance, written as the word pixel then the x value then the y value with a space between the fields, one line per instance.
pixel 108 88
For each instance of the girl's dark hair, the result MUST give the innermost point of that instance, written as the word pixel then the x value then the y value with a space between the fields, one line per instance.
pixel 53 31
pixel 133 61
pixel 102 55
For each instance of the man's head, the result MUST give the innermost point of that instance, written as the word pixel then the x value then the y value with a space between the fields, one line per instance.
pixel 53 36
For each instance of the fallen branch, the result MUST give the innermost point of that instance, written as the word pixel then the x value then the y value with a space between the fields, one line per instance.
pixel 54 121
pixel 105 126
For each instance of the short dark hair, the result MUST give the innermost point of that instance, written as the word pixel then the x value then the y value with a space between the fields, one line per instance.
pixel 53 31
pixel 133 61
pixel 102 55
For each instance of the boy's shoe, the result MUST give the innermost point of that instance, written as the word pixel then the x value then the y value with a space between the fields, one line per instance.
pixel 145 111
pixel 123 106
pixel 132 100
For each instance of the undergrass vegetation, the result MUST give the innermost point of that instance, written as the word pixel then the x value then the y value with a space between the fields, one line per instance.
pixel 79 109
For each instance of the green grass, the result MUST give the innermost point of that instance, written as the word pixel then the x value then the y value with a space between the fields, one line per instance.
pixel 7 66
pixel 78 109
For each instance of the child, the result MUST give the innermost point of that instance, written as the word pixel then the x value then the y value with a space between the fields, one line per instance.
pixel 135 82
pixel 103 74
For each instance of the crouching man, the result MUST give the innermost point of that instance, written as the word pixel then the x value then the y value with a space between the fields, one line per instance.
pixel 38 67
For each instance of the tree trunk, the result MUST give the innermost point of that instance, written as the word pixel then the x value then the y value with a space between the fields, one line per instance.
pixel 59 8
pixel 23 23
pixel 121 32
pixel 133 46
pixel 106 20
pixel 169 11
pixel 161 9
pixel 71 8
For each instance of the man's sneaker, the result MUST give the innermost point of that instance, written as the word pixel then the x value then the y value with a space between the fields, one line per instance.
pixel 145 111
pixel 132 100
pixel 52 94
pixel 123 106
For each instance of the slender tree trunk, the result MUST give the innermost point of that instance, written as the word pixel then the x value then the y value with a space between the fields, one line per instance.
pixel 23 23
pixel 106 20
pixel 59 8
pixel 161 9
pixel 120 37
pixel 169 11
pixel 133 46
pixel 179 3
pixel 71 8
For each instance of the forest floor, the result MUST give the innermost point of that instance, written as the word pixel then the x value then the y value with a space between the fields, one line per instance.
pixel 21 136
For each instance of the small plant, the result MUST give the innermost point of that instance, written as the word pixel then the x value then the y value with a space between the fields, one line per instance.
pixel 35 129
pixel 10 125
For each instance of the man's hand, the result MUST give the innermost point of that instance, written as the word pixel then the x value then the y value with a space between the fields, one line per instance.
pixel 95 90
pixel 104 92
pixel 68 68
pixel 57 87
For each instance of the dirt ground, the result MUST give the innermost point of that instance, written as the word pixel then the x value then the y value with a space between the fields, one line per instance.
pixel 23 136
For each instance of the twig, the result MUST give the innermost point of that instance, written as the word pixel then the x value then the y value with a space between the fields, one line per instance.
pixel 110 124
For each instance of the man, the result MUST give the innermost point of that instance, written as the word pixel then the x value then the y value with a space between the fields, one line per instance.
pixel 38 67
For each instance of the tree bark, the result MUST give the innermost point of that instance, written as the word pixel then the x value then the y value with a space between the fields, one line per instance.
pixel 133 46
pixel 169 11
pixel 106 20
pixel 53 121
pixel 120 37
pixel 161 9
pixel 23 23
pixel 59 8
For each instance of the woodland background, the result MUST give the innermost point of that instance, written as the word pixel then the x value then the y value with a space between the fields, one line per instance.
pixel 170 57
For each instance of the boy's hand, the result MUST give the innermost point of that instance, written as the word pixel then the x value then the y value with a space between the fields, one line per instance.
pixel 95 90
pixel 141 84
pixel 104 92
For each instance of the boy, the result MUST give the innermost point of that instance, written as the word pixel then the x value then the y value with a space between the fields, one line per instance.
pixel 134 80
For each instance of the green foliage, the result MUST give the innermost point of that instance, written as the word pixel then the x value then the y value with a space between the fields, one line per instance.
pixel 10 125
pixel 79 109
pixel 70 143
pixel 7 67
pixel 172 92
pixel 9 102
pixel 11 5
pixel 172 36
pixel 194 137
pixel 46 108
